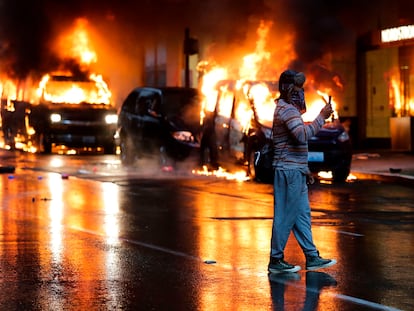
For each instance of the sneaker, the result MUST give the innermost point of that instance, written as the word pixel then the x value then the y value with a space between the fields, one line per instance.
pixel 317 262
pixel 279 266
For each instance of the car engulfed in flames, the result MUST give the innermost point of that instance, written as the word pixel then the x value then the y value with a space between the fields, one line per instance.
pixel 237 113
pixel 64 112
pixel 239 130
pixel 66 108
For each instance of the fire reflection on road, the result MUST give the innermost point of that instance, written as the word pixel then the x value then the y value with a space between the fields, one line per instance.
pixel 111 207
pixel 56 208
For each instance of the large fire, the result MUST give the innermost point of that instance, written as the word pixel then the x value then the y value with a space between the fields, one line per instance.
pixel 76 44
pixel 254 82
pixel 93 91
pixel 73 45
pixel 251 70
pixel 400 101
pixel 73 82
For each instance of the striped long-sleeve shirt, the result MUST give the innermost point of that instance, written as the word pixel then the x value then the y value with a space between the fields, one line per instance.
pixel 290 137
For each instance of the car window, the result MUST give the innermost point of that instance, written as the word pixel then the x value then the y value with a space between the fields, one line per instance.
pixel 129 104
pixel 176 101
pixel 225 103
pixel 262 96
pixel 243 112
pixel 140 107
pixel 149 102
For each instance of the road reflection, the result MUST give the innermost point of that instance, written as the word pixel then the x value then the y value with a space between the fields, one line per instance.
pixel 210 225
pixel 56 207
pixel 74 261
pixel 84 243
pixel 287 291
pixel 110 193
pixel 236 233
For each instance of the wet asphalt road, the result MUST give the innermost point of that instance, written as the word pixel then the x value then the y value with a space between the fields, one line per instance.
pixel 107 238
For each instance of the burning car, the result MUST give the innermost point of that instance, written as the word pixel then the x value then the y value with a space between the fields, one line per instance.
pixel 160 121
pixel 68 110
pixel 239 130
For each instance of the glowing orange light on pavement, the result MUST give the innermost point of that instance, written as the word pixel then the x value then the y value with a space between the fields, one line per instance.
pixel 222 173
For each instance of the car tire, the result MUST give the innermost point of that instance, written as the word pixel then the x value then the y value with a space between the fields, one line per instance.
pixel 251 167
pixel 259 164
pixel 340 174
pixel 208 155
pixel 127 151
pixel 42 143
pixel 9 138
pixel 109 148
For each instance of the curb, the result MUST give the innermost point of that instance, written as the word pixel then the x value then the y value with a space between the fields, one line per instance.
pixel 396 178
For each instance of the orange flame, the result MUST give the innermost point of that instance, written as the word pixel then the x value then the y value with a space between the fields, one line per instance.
pixel 94 91
pixel 251 85
pixel 316 103
pixel 77 45
pixel 401 104
pixel 264 101
pixel 222 173
pixel 252 62
pixel 209 91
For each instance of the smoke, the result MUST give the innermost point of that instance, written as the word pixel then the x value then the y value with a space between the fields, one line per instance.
pixel 318 28
pixel 226 29
pixel 24 35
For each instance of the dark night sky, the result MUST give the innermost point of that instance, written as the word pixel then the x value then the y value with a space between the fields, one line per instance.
pixel 28 27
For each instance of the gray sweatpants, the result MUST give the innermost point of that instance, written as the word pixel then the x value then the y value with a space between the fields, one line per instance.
pixel 291 213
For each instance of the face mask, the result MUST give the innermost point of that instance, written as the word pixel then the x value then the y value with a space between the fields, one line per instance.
pixel 296 97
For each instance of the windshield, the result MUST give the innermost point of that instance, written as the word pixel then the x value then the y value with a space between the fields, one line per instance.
pixel 176 101
pixel 182 103
pixel 262 95
pixel 71 91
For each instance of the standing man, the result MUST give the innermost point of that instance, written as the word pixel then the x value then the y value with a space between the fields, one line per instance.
pixel 290 161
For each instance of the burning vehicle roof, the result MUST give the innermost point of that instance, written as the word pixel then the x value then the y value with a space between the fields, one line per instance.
pixel 74 89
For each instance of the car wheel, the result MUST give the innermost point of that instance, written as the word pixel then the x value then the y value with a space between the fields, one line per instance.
pixel 340 174
pixel 208 155
pixel 251 167
pixel 127 151
pixel 109 148
pixel 205 155
pixel 43 145
pixel 9 138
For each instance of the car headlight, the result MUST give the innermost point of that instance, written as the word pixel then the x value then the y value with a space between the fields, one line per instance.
pixel 343 137
pixel 55 117
pixel 183 136
pixel 111 119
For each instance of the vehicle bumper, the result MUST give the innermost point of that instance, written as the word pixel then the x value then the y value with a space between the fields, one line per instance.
pixel 329 160
pixel 82 137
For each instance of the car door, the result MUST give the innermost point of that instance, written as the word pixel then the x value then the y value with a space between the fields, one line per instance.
pixel 149 120
pixel 239 125
pixel 224 108
pixel 127 113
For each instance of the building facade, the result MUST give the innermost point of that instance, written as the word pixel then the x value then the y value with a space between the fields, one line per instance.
pixel 385 87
